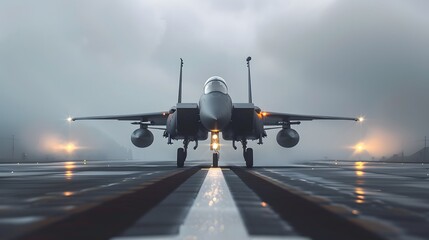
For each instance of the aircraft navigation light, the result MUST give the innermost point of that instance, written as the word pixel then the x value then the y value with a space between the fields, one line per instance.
pixel 361 119
pixel 69 119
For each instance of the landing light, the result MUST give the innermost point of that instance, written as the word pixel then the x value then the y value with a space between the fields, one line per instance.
pixel 214 143
pixel 361 119
pixel 215 146
pixel 69 119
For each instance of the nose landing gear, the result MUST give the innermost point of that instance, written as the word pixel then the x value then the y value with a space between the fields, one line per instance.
pixel 215 146
pixel 215 159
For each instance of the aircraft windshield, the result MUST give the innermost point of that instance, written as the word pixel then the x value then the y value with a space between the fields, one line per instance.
pixel 215 84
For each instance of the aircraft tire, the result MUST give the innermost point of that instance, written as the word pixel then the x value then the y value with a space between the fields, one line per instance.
pixel 181 155
pixel 215 159
pixel 249 157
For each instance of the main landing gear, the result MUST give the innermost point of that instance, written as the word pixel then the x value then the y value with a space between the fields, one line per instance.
pixel 183 152
pixel 181 156
pixel 248 157
pixel 247 154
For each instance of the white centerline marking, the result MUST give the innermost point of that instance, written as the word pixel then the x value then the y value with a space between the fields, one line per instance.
pixel 214 214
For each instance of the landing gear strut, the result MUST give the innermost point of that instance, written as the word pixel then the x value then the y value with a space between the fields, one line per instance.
pixel 215 159
pixel 247 154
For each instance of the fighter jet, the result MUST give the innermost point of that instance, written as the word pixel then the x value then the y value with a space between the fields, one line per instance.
pixel 215 113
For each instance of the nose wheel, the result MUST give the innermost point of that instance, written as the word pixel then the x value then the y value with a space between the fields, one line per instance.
pixel 215 159
pixel 248 157
pixel 181 156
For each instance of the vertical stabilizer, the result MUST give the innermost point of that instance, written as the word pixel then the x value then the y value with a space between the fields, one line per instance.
pixel 179 100
pixel 250 82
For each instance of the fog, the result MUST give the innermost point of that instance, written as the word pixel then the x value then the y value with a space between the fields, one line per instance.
pixel 340 58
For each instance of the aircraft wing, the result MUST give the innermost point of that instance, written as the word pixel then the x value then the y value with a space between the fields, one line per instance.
pixel 158 118
pixel 273 118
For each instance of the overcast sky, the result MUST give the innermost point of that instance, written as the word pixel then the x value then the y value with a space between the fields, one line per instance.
pixel 327 57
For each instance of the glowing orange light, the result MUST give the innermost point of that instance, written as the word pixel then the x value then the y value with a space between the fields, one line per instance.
pixel 360 147
pixel 360 165
pixel 67 194
pixel 262 114
pixel 264 204
pixel 69 165
pixel 70 147
pixel 69 174
pixel 360 192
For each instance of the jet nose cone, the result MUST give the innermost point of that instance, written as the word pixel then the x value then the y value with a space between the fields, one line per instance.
pixel 210 122
pixel 215 120
pixel 215 111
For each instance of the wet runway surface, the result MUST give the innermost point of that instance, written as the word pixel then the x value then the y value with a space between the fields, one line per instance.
pixel 135 200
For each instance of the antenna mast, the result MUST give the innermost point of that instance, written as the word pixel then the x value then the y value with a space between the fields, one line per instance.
pixel 250 83
pixel 179 100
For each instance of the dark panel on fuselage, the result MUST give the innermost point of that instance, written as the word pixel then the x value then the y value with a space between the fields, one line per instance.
pixel 243 118
pixel 187 119
pixel 245 123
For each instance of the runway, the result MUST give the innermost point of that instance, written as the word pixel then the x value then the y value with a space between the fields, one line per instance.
pixel 126 200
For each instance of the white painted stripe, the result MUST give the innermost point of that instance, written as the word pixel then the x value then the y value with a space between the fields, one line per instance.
pixel 214 214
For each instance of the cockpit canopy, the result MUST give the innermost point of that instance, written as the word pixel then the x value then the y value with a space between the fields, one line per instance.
pixel 215 84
